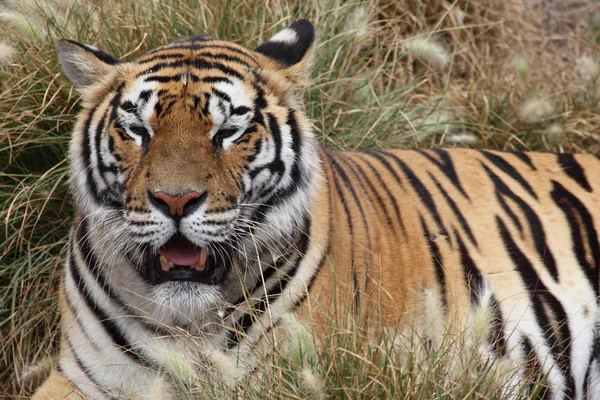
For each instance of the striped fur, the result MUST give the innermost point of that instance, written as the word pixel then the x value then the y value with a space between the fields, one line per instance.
pixel 310 228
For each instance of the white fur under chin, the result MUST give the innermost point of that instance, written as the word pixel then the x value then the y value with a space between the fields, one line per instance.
pixel 185 303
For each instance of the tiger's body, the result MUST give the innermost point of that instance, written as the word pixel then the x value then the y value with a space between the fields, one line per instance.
pixel 199 152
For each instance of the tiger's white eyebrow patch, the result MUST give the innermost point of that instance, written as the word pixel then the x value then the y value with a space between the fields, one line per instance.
pixel 285 36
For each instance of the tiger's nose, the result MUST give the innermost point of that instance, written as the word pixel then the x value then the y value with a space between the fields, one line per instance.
pixel 176 206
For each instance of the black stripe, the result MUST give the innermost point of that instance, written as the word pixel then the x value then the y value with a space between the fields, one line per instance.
pixel 145 95
pixel 348 183
pixel 436 258
pixel 385 188
pixel 342 200
pixel 362 179
pixel 207 44
pixel 92 265
pixel 171 56
pixel 222 57
pixel 571 167
pixel 87 155
pixel 475 283
pixel 216 79
pixel 446 166
pixel 129 107
pixel 221 95
pixel 164 65
pixel 537 389
pixel 168 78
pixel 277 165
pixel 455 210
pixel 78 321
pixel 583 232
pixel 421 191
pixel 235 49
pixel 496 337
pixel 110 326
pixel 557 333
pixel 508 169
pixel 260 103
pixel 525 158
pixel 500 196
pixel 101 165
pixel 471 273
pixel 85 369
pixel 299 177
pixel 167 107
pixel 256 149
pixel 295 173
pixel 535 225
pixel 240 110
pixel 386 165
pixel 312 280
pixel 206 65
pixel 324 256
pixel 245 323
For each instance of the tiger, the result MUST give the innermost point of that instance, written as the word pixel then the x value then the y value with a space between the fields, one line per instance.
pixel 205 204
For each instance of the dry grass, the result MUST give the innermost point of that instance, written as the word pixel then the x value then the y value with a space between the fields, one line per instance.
pixel 507 74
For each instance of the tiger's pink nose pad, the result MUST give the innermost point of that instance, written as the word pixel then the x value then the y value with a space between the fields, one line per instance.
pixel 177 204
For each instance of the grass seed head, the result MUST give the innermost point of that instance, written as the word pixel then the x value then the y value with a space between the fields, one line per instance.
pixel 313 383
pixel 428 50
pixel 175 362
pixel 554 134
pixel 24 25
pixel 536 110
pixel 226 369
pixel 302 347
pixel 358 24
pixel 464 138
pixel 7 53
pixel 589 68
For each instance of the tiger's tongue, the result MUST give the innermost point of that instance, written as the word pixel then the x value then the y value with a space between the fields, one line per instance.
pixel 181 252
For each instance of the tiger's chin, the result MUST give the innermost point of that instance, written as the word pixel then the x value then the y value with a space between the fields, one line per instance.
pixel 184 283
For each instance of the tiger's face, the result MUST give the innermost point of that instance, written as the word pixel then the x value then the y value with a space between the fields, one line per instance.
pixel 191 159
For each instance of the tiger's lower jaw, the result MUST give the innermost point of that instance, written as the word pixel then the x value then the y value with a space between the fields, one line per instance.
pixel 213 274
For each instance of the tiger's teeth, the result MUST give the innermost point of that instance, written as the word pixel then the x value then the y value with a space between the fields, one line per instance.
pixel 165 264
pixel 201 263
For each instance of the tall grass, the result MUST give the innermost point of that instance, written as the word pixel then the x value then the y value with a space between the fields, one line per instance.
pixel 490 73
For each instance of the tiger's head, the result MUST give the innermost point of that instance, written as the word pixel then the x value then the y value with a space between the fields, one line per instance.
pixel 191 158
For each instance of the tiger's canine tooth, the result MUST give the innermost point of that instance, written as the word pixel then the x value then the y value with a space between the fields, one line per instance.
pixel 201 263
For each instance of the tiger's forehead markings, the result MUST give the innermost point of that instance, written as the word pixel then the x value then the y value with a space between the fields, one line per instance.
pixel 227 100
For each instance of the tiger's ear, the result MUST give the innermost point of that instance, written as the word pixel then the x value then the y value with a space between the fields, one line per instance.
pixel 84 65
pixel 292 50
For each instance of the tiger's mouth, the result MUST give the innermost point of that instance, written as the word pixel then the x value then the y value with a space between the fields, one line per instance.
pixel 181 260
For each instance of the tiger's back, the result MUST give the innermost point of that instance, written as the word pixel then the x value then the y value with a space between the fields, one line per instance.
pixel 205 206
